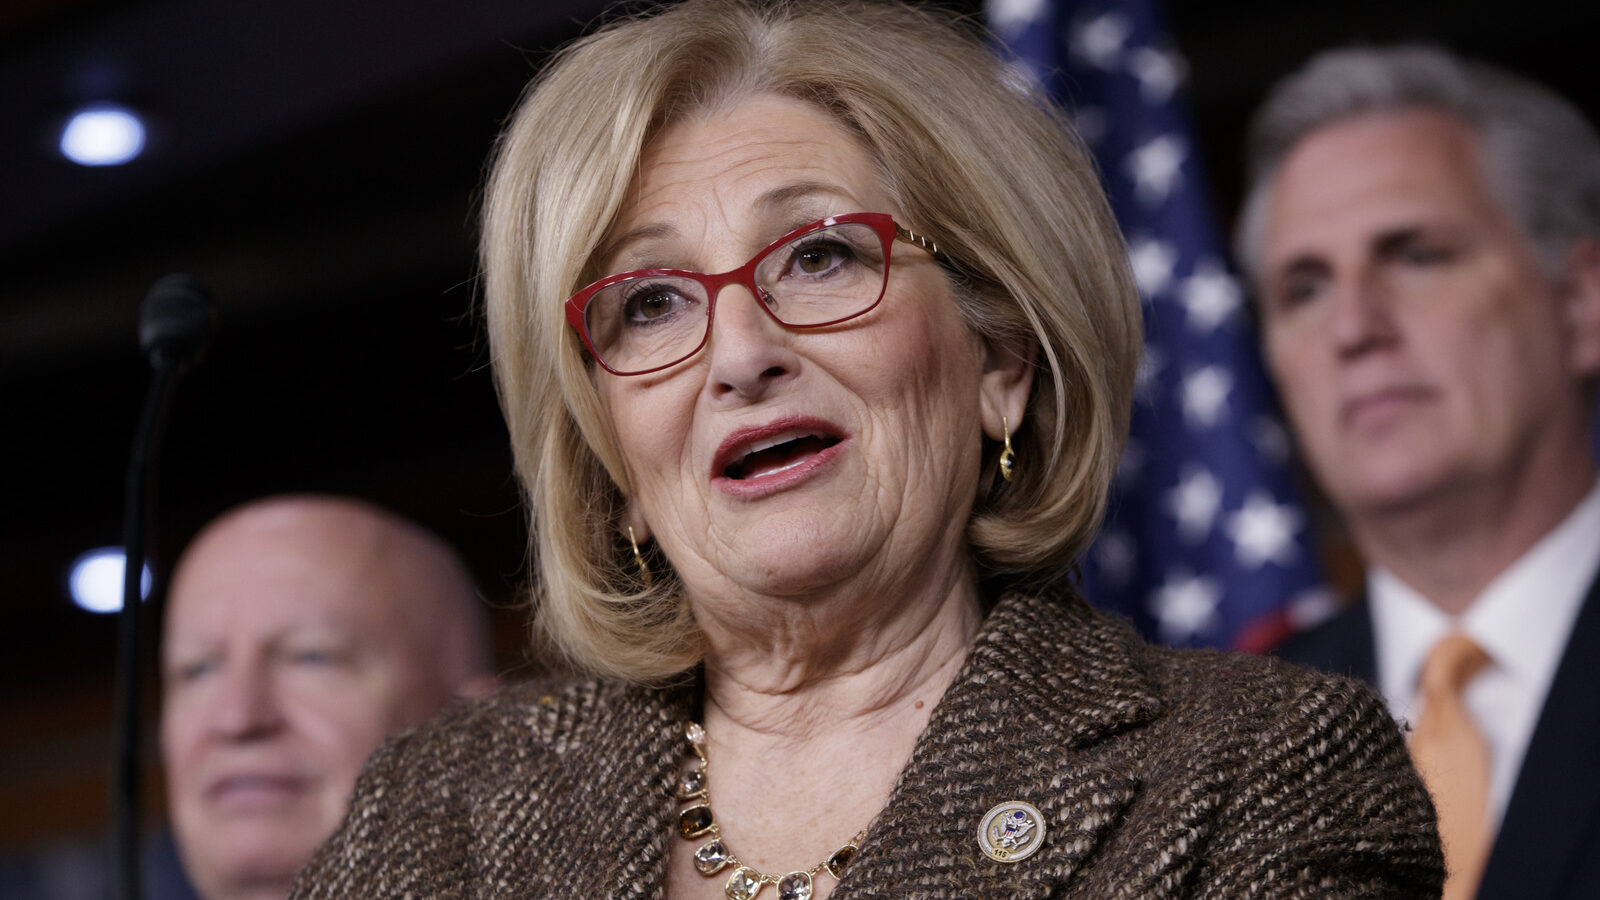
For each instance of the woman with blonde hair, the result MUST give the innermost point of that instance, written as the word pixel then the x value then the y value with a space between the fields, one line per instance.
pixel 802 529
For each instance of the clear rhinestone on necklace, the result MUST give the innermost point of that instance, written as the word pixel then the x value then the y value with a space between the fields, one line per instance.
pixel 696 820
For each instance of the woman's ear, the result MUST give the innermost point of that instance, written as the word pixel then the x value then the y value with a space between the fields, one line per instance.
pixel 633 518
pixel 1004 386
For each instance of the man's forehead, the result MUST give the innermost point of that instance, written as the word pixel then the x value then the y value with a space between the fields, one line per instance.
pixel 272 607
pixel 267 590
pixel 1374 175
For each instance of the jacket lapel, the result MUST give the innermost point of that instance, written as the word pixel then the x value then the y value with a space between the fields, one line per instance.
pixel 1028 718
pixel 555 836
pixel 1552 822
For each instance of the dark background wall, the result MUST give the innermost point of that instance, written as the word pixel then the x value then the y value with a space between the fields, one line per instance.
pixel 316 163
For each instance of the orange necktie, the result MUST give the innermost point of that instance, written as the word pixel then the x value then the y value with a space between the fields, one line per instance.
pixel 1453 758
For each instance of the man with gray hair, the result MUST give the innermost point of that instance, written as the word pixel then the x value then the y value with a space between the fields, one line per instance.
pixel 1424 237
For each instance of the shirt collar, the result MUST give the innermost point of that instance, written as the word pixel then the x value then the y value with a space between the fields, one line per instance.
pixel 1521 619
pixel 1524 616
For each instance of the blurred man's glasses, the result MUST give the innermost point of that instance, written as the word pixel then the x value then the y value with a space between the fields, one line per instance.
pixel 817 275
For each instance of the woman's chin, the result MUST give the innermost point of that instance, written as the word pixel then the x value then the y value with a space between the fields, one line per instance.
pixel 797 567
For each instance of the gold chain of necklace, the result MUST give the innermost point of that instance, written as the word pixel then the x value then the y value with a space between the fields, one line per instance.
pixel 746 882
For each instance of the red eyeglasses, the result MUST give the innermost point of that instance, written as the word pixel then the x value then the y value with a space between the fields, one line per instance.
pixel 817 275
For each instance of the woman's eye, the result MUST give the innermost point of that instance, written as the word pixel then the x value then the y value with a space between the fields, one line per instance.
pixel 820 257
pixel 652 304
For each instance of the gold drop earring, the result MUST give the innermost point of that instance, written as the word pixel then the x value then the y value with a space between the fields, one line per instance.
pixel 1008 459
pixel 638 560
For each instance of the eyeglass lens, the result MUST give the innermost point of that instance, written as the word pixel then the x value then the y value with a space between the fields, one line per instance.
pixel 821 276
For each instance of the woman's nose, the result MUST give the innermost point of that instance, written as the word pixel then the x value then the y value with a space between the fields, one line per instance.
pixel 750 351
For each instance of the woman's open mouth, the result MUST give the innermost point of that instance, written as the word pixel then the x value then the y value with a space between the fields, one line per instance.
pixel 777 456
pixel 761 457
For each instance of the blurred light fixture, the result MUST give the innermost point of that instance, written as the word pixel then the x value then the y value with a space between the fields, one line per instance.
pixel 103 134
pixel 96 580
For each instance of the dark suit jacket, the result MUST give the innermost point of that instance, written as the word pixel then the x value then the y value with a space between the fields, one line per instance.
pixel 1549 842
pixel 1160 773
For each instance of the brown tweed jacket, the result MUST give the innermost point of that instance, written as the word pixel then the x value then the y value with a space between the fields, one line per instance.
pixel 1160 773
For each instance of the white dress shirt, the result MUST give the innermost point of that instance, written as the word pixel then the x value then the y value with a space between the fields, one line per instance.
pixel 1522 620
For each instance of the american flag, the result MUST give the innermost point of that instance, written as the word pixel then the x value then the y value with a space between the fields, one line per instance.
pixel 1206 542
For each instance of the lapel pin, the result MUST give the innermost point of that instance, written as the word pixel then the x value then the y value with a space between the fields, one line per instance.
pixel 1011 831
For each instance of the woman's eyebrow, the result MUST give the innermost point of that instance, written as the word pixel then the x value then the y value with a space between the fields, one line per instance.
pixel 653 231
pixel 787 195
pixel 776 201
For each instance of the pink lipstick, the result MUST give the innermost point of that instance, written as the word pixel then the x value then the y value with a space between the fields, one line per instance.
pixel 763 459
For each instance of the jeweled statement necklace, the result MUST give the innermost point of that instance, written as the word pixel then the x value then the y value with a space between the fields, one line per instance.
pixel 696 821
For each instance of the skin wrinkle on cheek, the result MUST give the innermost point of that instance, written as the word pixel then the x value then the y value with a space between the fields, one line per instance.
pixel 915 465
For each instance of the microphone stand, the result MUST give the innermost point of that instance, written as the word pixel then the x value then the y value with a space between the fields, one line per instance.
pixel 138 520
pixel 175 322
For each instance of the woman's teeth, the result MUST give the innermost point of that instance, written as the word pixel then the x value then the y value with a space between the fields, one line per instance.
pixel 776 455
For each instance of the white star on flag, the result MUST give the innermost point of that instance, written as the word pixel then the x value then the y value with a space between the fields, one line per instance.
pixel 1155 167
pixel 1210 295
pixel 1205 394
pixel 1098 42
pixel 1152 262
pixel 1159 73
pixel 1195 503
pixel 1021 76
pixel 1263 531
pixel 1008 17
pixel 1312 606
pixel 1185 606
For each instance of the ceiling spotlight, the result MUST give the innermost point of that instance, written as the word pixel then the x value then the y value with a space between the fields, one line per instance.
pixel 96 580
pixel 103 134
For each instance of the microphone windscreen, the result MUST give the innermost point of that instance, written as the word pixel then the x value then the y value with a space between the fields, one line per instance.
pixel 176 321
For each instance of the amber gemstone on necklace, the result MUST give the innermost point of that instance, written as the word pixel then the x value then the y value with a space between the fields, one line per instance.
pixel 692 783
pixel 840 860
pixel 694 821
pixel 743 884
pixel 795 886
pixel 712 857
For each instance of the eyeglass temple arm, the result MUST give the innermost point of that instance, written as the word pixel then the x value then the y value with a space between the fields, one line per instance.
pixel 911 237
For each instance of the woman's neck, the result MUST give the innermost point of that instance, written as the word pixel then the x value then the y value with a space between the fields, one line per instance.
pixel 785 667
pixel 809 724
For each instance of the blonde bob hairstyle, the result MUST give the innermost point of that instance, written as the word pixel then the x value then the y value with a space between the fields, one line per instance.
pixel 987 169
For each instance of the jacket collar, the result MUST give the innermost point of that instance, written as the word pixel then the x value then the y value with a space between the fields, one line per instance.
pixel 567 834
pixel 1047 683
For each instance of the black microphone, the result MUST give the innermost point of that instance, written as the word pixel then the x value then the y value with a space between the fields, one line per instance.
pixel 176 322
